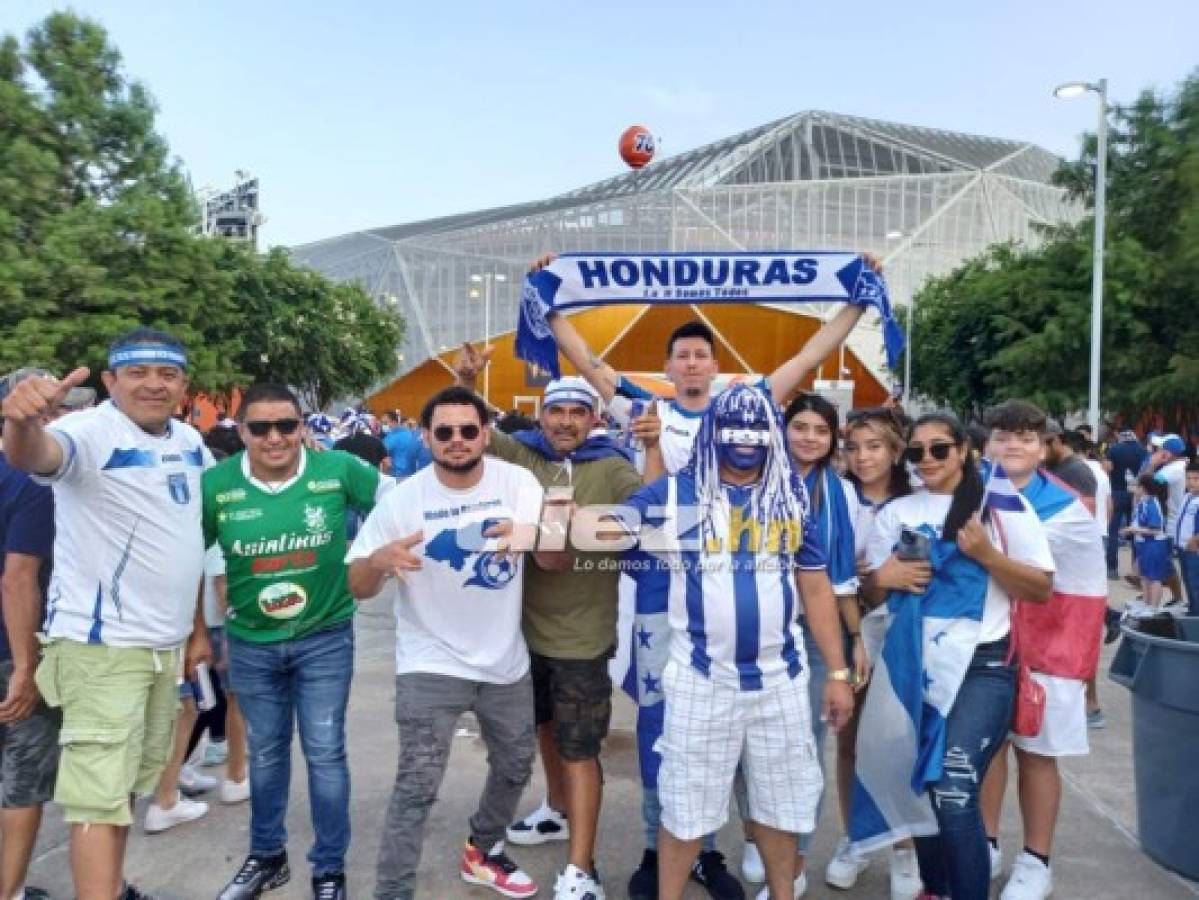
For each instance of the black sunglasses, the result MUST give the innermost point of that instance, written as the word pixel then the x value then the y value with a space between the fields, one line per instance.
pixel 939 452
pixel 445 433
pixel 286 427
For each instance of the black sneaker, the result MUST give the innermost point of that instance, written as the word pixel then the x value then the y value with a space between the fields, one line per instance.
pixel 329 887
pixel 37 893
pixel 644 883
pixel 257 874
pixel 710 871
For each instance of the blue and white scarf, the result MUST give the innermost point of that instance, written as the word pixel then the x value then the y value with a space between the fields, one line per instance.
pixel 575 281
pixel 831 523
pixel 596 447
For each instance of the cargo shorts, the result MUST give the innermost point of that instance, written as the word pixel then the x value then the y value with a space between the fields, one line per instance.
pixel 119 706
pixel 576 696
pixel 28 753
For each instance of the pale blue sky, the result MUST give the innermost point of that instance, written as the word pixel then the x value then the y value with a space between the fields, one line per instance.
pixel 367 113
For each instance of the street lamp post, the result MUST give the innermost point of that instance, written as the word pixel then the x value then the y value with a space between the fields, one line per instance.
pixel 1077 89
pixel 488 280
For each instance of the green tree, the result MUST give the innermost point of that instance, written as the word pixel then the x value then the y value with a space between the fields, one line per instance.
pixel 326 340
pixel 97 236
pixel 1017 322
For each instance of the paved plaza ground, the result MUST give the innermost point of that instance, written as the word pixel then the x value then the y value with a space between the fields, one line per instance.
pixel 1097 855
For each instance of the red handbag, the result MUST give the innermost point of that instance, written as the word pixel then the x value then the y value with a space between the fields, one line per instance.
pixel 1030 693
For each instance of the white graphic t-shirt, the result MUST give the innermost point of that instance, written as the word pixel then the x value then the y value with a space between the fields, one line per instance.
pixel 459 615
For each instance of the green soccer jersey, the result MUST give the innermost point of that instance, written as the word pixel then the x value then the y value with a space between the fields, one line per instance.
pixel 285 551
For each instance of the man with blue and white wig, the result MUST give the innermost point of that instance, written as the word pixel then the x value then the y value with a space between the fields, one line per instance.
pixel 124 618
pixel 732 525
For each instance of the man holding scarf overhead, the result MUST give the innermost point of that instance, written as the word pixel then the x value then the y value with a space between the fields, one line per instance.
pixel 569 620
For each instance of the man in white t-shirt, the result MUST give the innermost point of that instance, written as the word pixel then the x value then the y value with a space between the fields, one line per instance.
pixel 453 534
pixel 1059 641
pixel 123 616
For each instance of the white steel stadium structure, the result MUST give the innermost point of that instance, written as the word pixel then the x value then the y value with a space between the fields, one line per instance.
pixel 922 199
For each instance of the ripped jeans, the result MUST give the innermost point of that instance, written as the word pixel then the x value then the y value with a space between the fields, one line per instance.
pixel 956 863
pixel 428 707
pixel 305 682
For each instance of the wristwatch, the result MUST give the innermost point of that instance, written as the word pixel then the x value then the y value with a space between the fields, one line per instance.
pixel 841 675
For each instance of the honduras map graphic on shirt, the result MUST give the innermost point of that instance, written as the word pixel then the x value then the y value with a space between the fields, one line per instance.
pixel 454 547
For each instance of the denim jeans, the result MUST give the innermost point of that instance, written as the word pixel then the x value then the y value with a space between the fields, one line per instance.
pixel 428 707
pixel 305 681
pixel 1189 561
pixel 956 863
pixel 1121 516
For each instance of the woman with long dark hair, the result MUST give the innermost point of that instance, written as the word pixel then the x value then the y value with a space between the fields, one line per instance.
pixel 935 558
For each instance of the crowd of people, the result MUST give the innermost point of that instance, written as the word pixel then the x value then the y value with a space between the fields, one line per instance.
pixel 788 573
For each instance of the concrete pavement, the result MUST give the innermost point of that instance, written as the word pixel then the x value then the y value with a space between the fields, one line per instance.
pixel 1096 854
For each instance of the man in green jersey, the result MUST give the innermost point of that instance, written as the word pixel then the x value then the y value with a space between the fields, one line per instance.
pixel 278 512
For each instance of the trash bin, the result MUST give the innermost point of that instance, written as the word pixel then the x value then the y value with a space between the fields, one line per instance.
pixel 1163 675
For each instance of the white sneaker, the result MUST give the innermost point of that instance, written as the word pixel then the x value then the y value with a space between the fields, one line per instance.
pixel 752 867
pixel 845 866
pixel 1031 879
pixel 235 791
pixel 801 888
pixel 905 874
pixel 996 860
pixel 215 753
pixel 540 826
pixel 192 782
pixel 575 884
pixel 184 810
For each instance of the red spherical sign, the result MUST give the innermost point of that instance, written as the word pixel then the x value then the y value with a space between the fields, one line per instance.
pixel 636 146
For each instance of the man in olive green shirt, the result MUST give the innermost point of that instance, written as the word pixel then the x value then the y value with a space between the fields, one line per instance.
pixel 569 620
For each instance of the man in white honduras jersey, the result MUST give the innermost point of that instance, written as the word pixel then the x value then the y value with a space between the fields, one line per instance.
pixel 732 526
pixel 123 600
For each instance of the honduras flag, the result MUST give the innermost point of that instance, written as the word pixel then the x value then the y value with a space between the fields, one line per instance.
pixel 648 655
pixel 927 641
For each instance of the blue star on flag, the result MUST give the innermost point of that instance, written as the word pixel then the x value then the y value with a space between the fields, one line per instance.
pixel 652 684
pixel 643 637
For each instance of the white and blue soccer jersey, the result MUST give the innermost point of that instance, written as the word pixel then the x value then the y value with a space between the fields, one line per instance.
pixel 679 425
pixel 731 600
pixel 128 548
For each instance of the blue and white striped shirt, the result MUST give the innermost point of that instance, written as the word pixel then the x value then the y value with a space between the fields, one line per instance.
pixel 732 604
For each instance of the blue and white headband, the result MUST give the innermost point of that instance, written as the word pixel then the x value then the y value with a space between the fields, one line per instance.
pixel 147 355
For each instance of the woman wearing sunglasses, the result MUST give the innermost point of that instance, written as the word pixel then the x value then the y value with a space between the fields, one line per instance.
pixel 812 428
pixel 877 474
pixel 935 559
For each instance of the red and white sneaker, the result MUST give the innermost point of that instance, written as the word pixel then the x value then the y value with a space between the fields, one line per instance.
pixel 496 871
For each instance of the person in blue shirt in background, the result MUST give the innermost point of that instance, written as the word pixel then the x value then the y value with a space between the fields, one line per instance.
pixel 408 452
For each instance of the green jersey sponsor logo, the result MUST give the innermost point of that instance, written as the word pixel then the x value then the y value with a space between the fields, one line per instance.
pixel 231 496
pixel 323 486
pixel 283 544
pixel 282 600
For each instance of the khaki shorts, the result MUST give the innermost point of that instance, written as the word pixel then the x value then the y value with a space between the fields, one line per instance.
pixel 118 718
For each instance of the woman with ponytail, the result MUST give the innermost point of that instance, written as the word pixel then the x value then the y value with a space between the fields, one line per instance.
pixel 946 564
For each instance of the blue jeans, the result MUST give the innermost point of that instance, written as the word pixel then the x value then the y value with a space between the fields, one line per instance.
pixel 305 681
pixel 1189 561
pixel 956 863
pixel 1121 516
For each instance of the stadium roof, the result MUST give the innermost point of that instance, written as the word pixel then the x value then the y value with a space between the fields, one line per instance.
pixel 808 146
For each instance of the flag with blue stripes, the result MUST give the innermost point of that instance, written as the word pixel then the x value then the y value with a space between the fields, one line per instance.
pixel 927 641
